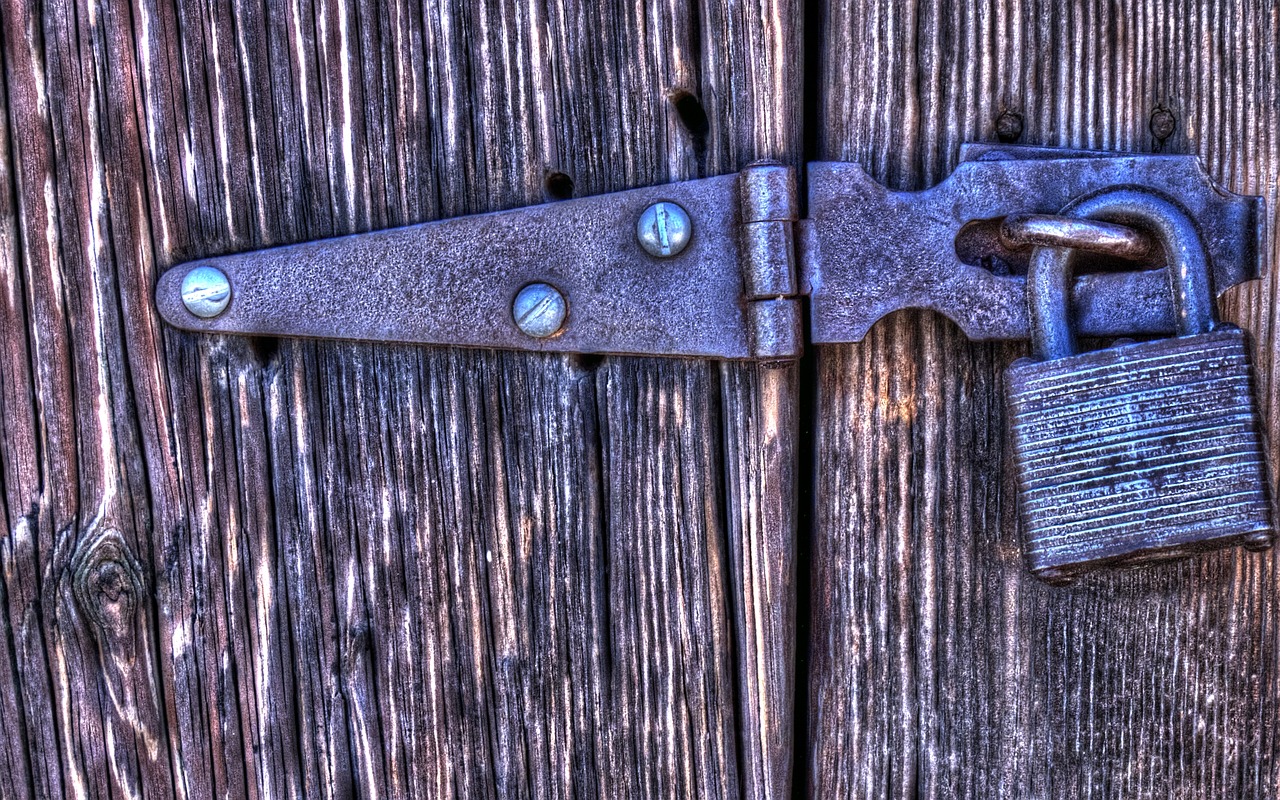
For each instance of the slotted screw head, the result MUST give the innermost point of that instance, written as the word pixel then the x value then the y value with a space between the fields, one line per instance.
pixel 206 292
pixel 539 310
pixel 664 229
pixel 1258 541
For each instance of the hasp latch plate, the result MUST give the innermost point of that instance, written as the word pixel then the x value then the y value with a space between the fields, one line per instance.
pixel 868 251
pixel 731 286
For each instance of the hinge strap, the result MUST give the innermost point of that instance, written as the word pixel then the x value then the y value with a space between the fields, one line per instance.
pixel 456 281
pixel 718 267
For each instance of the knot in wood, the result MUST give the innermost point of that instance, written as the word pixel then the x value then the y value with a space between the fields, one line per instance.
pixel 107 582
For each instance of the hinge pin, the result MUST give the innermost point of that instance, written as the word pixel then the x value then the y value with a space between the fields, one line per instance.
pixel 206 291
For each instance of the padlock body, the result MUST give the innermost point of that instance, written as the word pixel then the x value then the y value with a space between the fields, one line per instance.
pixel 1138 452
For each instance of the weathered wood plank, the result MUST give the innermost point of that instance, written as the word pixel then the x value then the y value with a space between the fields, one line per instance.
pixel 26 755
pixel 82 609
pixel 298 569
pixel 939 668
pixel 764 495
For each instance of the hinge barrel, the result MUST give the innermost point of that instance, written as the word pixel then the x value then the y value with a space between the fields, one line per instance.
pixel 769 204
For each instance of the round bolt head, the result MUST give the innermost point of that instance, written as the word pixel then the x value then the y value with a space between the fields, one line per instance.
pixel 1258 541
pixel 539 310
pixel 1056 577
pixel 664 229
pixel 206 292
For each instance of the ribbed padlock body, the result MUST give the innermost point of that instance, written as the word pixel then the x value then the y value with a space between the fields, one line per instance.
pixel 1138 452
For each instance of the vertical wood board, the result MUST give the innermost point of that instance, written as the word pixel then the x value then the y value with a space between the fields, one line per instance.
pixel 276 568
pixel 938 667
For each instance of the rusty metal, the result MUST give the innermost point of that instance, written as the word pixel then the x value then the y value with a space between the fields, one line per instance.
pixel 1143 451
pixel 1163 124
pixel 454 281
pixel 769 207
pixel 539 310
pixel 1054 230
pixel 1009 126
pixel 866 251
pixel 729 277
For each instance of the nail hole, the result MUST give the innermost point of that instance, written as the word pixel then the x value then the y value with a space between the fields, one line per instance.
pixel 1009 127
pixel 558 186
pixel 264 348
pixel 587 362
pixel 1162 124
pixel 691 113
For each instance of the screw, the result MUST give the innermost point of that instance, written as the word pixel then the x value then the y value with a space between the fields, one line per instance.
pixel 664 229
pixel 539 310
pixel 206 292
pixel 1163 124
pixel 1258 541
pixel 1055 577
pixel 1009 127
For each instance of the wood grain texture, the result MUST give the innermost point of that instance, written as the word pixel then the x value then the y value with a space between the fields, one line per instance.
pixel 258 568
pixel 939 667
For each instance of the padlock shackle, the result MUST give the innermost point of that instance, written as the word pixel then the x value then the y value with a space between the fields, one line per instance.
pixel 1050 277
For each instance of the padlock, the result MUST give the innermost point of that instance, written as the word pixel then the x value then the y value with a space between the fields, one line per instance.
pixel 1140 451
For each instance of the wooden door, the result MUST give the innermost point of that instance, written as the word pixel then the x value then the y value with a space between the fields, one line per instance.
pixel 936 666
pixel 260 568
pixel 282 568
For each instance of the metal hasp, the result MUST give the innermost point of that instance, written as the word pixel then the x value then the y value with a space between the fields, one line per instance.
pixel 717 267
pixel 867 251
pixel 700 268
